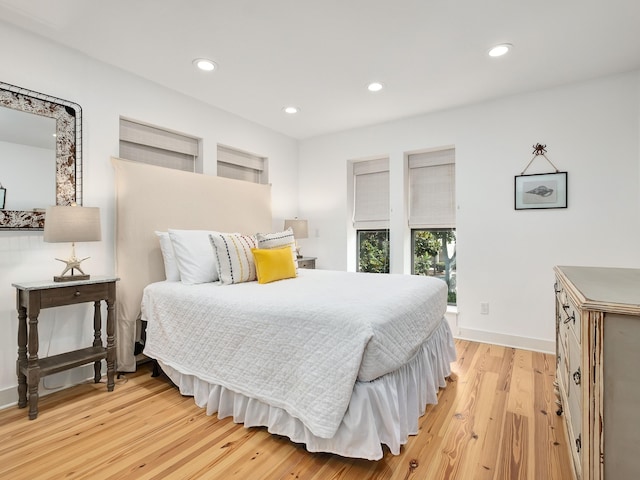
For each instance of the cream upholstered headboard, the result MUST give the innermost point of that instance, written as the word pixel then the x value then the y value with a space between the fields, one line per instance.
pixel 149 199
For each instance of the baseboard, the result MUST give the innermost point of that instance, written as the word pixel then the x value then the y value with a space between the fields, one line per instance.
pixel 525 343
pixel 50 384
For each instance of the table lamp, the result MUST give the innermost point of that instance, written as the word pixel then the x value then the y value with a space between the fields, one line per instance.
pixel 300 230
pixel 72 223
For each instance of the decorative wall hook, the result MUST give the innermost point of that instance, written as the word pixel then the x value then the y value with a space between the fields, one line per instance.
pixel 539 150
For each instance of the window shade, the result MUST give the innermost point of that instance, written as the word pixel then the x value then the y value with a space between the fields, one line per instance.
pixel 154 145
pixel 432 189
pixel 241 165
pixel 371 194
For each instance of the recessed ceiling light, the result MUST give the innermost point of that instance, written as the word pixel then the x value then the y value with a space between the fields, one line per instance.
pixel 500 50
pixel 291 110
pixel 375 86
pixel 205 64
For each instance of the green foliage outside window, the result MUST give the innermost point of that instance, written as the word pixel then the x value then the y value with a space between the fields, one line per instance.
pixel 373 251
pixel 432 257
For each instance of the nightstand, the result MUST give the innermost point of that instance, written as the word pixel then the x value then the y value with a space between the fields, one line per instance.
pixel 31 297
pixel 307 262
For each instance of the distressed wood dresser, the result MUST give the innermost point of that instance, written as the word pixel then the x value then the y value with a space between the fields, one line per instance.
pixel 598 369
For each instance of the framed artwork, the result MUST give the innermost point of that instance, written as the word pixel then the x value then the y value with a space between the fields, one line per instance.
pixel 543 190
pixel 3 196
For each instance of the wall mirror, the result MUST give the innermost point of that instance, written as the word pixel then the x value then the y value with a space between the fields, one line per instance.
pixel 40 155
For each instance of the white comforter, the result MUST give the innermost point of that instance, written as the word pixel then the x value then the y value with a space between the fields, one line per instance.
pixel 297 344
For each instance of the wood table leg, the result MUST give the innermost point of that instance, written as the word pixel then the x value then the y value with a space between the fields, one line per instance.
pixel 33 368
pixel 111 341
pixel 21 363
pixel 97 339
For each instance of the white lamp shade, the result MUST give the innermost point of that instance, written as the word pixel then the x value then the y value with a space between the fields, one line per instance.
pixel 72 224
pixel 299 227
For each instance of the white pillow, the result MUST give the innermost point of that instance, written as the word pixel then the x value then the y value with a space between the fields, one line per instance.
pixel 171 271
pixel 234 258
pixel 279 240
pixel 194 256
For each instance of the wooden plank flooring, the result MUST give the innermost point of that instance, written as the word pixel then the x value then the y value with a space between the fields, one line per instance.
pixel 495 420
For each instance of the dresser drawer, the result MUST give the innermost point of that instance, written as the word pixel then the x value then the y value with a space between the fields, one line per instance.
pixel 307 262
pixel 563 334
pixel 574 379
pixel 562 370
pixel 569 313
pixel 73 294
pixel 574 405
pixel 570 393
pixel 573 412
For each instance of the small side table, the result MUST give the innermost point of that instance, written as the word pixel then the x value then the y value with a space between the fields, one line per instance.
pixel 307 262
pixel 31 297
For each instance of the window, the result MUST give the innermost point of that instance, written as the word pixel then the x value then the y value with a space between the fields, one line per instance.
pixel 157 146
pixel 373 251
pixel 241 165
pixel 432 216
pixel 371 214
pixel 433 253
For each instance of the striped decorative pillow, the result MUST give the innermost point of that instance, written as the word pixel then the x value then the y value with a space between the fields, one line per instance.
pixel 279 240
pixel 233 257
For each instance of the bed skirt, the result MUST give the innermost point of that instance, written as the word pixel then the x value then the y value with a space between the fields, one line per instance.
pixel 383 411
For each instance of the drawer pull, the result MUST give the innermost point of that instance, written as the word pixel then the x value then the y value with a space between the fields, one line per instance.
pixel 569 318
pixel 555 287
pixel 579 443
pixel 577 376
pixel 77 294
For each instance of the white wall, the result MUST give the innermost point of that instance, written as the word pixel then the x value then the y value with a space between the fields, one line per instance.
pixel 505 257
pixel 105 94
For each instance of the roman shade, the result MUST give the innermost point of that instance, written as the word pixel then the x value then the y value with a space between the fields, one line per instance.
pixel 432 189
pixel 241 165
pixel 371 194
pixel 157 146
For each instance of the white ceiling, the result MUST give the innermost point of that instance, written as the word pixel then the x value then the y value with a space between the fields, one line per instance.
pixel 320 55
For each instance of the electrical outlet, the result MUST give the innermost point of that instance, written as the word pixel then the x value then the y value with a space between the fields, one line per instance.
pixel 484 308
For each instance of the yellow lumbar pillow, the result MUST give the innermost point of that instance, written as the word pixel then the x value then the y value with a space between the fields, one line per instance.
pixel 273 264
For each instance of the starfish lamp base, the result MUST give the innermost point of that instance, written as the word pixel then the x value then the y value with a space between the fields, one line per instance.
pixel 72 263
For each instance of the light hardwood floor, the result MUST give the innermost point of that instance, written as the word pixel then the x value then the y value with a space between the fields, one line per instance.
pixel 495 420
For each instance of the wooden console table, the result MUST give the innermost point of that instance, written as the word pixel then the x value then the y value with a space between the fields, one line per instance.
pixel 31 297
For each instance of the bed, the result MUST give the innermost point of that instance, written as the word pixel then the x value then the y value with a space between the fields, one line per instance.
pixel 341 362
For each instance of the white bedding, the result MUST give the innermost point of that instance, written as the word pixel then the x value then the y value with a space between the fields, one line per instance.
pixel 382 412
pixel 297 344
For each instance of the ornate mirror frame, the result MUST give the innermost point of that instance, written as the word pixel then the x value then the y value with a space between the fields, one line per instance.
pixel 68 117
